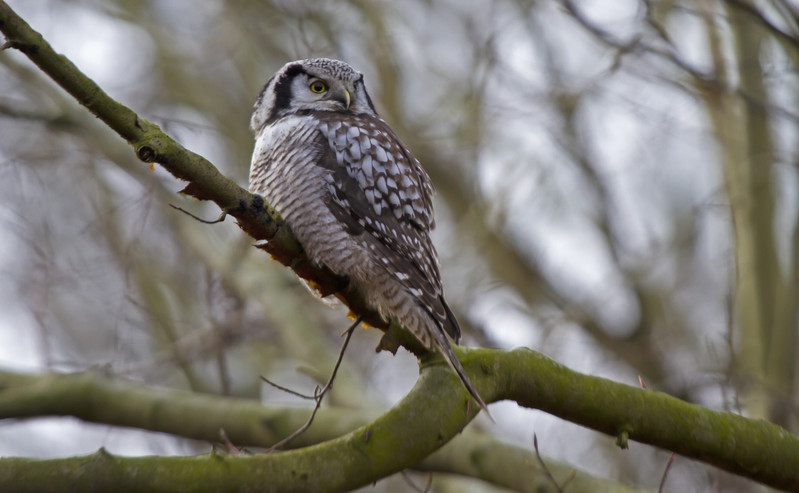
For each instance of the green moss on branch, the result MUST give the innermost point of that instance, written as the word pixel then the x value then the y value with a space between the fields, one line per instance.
pixel 434 412
pixel 151 144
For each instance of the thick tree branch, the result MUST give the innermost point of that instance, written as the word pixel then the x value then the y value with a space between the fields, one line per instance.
pixel 259 220
pixel 393 442
pixel 96 397
pixel 93 396
pixel 752 448
pixel 479 456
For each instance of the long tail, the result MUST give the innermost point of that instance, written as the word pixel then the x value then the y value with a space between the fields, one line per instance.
pixel 449 355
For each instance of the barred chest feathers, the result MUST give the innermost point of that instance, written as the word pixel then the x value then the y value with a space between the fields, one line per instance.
pixel 353 195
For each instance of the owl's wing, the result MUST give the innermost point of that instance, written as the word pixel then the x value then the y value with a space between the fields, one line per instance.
pixel 391 179
pixel 381 192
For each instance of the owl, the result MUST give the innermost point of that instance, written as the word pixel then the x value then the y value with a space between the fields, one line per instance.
pixel 354 196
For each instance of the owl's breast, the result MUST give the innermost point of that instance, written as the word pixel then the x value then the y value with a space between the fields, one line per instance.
pixel 284 166
pixel 285 170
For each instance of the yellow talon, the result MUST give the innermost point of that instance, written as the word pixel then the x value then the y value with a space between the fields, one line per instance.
pixel 352 316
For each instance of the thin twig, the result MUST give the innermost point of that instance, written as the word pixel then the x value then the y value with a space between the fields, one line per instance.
pixel 286 389
pixel 427 486
pixel 569 478
pixel 319 394
pixel 204 221
pixel 665 472
pixel 544 466
pixel 231 449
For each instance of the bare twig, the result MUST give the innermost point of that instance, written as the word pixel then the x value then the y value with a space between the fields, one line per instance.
pixel 544 467
pixel 318 394
pixel 569 478
pixel 230 448
pixel 204 221
pixel 666 472
pixel 427 485
pixel 286 389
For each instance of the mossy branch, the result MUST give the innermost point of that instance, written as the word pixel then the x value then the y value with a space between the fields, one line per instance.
pixel 420 424
pixel 152 145
pixel 432 413
pixel 96 397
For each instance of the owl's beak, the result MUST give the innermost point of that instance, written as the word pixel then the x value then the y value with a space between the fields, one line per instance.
pixel 343 96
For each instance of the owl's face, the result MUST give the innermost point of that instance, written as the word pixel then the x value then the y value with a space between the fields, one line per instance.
pixel 315 84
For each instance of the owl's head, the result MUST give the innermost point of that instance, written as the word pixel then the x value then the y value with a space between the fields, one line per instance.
pixel 315 84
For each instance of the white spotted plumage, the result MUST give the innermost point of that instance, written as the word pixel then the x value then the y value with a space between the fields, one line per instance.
pixel 354 196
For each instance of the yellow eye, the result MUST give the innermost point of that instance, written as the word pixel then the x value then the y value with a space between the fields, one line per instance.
pixel 318 87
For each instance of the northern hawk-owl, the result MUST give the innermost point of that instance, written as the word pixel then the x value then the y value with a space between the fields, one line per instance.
pixel 353 195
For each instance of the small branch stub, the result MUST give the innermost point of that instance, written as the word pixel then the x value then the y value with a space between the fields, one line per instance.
pixel 146 154
pixel 621 440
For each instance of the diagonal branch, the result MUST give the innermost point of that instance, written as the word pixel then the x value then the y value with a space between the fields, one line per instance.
pixel 319 394
pixel 151 144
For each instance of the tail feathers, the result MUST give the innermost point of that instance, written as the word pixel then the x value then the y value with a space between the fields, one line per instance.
pixel 452 360
pixel 450 323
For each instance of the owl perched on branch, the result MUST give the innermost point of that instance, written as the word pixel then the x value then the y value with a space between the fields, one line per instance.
pixel 354 196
